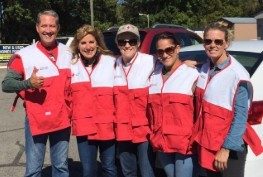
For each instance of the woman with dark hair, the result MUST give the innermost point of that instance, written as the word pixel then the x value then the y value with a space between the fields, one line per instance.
pixel 92 101
pixel 171 109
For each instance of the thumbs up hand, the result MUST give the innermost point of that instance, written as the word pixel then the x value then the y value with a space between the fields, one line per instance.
pixel 36 81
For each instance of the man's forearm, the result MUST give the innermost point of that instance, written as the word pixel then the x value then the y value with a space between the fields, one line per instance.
pixel 13 82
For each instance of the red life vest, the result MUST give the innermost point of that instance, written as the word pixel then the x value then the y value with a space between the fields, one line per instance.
pixel 82 101
pixel 130 96
pixel 171 109
pixel 102 79
pixel 46 107
pixel 217 112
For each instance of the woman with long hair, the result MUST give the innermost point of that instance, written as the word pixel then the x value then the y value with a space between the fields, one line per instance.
pixel 92 101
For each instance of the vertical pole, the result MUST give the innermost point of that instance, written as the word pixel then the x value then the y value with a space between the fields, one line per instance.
pixel 1 20
pixel 148 20
pixel 91 13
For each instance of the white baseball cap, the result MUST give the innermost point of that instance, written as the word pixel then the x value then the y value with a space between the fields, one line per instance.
pixel 128 28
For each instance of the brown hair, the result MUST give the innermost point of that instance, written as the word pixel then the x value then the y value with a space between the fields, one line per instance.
pixel 82 32
pixel 221 27
pixel 167 35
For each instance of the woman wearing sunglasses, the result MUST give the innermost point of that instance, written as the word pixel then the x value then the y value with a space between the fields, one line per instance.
pixel 92 100
pixel 224 94
pixel 132 72
pixel 171 109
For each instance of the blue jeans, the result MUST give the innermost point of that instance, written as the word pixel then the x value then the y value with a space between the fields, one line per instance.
pixel 35 148
pixel 88 156
pixel 178 165
pixel 132 153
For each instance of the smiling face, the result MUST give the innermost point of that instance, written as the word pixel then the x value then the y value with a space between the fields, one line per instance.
pixel 215 45
pixel 47 29
pixel 88 46
pixel 167 52
pixel 127 46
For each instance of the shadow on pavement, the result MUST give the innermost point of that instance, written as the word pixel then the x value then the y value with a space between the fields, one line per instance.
pixel 75 170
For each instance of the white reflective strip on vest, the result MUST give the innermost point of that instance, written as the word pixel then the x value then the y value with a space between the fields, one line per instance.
pixel 222 87
pixel 32 57
pixel 79 73
pixel 203 76
pixel 103 73
pixel 181 81
pixel 140 71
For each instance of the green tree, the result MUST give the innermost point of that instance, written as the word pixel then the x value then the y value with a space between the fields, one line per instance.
pixel 190 13
pixel 20 15
pixel 19 21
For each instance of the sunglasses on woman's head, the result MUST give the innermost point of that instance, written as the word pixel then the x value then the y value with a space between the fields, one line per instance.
pixel 122 42
pixel 216 41
pixel 168 50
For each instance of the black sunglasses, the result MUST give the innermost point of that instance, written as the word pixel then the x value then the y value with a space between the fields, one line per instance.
pixel 132 42
pixel 216 41
pixel 168 50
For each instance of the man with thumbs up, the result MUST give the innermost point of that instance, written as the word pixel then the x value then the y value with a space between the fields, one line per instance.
pixel 40 75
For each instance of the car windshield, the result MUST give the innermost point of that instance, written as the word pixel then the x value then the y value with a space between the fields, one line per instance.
pixel 62 40
pixel 109 38
pixel 249 60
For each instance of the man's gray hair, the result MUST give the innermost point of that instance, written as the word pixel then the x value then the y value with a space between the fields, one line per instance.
pixel 48 12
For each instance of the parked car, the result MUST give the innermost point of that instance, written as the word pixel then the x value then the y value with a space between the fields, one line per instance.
pixel 186 37
pixel 250 55
pixel 148 37
pixel 65 40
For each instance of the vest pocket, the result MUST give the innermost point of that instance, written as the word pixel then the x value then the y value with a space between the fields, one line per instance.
pixel 138 108
pixel 84 126
pixel 178 112
pixel 47 118
pixel 215 127
pixel 176 138
pixel 216 119
pixel 211 140
pixel 82 101
pixel 104 100
pixel 104 106
pixel 122 105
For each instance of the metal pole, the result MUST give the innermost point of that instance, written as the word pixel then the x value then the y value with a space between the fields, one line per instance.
pixel 148 20
pixel 91 13
pixel 1 20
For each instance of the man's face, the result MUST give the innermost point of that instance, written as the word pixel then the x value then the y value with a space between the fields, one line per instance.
pixel 47 29
pixel 128 44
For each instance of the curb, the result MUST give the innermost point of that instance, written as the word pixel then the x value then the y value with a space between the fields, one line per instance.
pixel 3 67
